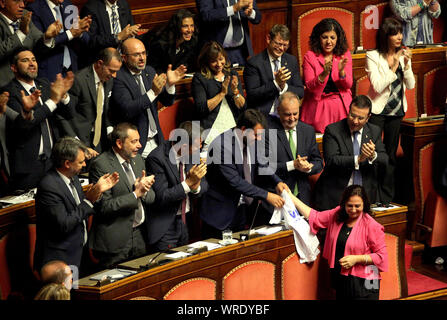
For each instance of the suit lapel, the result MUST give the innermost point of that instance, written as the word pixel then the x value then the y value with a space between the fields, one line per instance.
pixel 47 15
pixel 267 66
pixel 90 80
pixel 173 167
pixel 63 186
pixel 114 163
pixel 348 138
pixel 105 16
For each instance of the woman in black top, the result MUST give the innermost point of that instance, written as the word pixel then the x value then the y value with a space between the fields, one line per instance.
pixel 176 43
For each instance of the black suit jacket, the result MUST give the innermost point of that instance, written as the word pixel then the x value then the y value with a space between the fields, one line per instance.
pixel 128 104
pixel 24 137
pixel 59 221
pixel 83 97
pixel 169 192
pixel 339 164
pixel 306 146
pixel 204 89
pixel 100 33
pixel 115 211
pixel 258 79
pixel 226 183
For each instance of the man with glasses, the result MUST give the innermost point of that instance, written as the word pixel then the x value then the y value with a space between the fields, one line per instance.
pixel 137 90
pixel 90 95
pixel 353 154
pixel 272 72
pixel 18 31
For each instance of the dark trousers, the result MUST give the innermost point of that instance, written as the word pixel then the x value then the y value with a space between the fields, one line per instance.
pixel 29 180
pixel 176 236
pixel 237 55
pixel 390 127
pixel 238 224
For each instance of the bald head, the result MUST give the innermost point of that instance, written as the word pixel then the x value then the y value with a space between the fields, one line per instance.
pixel 289 110
pixel 56 272
pixel 134 54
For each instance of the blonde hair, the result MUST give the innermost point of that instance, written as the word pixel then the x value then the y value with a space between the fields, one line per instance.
pixel 53 291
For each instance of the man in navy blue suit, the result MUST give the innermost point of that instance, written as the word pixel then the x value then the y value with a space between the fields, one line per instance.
pixel 294 166
pixel 137 89
pixel 178 180
pixel 63 57
pixel 62 208
pixel 234 167
pixel 226 21
pixel 272 72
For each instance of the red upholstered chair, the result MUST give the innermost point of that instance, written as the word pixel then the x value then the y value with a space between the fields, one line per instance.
pixel 5 281
pixel 253 280
pixel 390 286
pixel 193 289
pixel 309 19
pixel 438 29
pixel 370 20
pixel 170 117
pixel 362 86
pixel 434 90
pixel 299 281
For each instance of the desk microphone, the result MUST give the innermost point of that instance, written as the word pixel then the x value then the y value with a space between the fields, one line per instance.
pixel 151 262
pixel 247 236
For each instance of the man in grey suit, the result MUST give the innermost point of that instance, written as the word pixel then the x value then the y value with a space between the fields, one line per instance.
pixel 18 31
pixel 119 225
pixel 90 95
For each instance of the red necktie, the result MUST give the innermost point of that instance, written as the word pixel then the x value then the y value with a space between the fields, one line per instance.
pixel 182 178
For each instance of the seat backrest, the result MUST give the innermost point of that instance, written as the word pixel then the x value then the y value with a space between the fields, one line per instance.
pixel 5 281
pixel 434 90
pixel 309 19
pixel 390 285
pixel 253 280
pixel 362 85
pixel 193 289
pixel 370 20
pixel 299 281
pixel 425 177
pixel 438 29
pixel 170 117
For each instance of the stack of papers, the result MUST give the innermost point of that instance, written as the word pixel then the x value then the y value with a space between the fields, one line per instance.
pixel 268 230
pixel 209 245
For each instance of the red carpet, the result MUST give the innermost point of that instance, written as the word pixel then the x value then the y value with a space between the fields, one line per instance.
pixel 418 283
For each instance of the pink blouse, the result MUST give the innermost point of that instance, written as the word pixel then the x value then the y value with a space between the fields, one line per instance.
pixel 367 237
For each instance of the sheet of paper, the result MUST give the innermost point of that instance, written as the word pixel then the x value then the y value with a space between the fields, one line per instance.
pixel 29 196
pixel 268 230
pixel 209 245
pixel 384 209
pixel 177 255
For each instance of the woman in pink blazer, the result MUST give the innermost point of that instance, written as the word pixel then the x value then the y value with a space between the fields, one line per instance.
pixel 355 244
pixel 327 71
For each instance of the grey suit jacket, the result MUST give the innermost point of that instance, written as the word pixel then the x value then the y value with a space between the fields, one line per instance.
pixel 9 43
pixel 83 97
pixel 10 114
pixel 115 211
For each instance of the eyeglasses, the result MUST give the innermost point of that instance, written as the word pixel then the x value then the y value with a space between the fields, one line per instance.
pixel 137 54
pixel 280 45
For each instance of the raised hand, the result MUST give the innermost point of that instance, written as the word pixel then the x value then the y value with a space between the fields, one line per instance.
pixel 91 153
pixel 30 101
pixel 174 76
pixel 407 56
pixel 143 184
pixel 234 83
pixel 60 86
pixel 108 181
pixel 81 26
pixel 53 29
pixel 301 164
pixel 158 83
pixel 367 151
pixel 129 31
pixel 275 200
pixel 281 186
pixel 4 97
pixel 24 22
pixel 225 84
pixel 281 77
pixel 341 65
pixel 194 176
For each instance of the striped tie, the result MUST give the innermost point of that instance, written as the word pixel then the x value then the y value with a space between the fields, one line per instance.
pixel 114 20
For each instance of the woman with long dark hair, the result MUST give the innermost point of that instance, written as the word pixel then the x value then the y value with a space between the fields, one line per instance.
pixel 217 91
pixel 327 71
pixel 176 43
pixel 389 71
pixel 354 246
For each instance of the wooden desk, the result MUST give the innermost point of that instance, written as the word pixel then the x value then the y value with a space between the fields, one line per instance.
pixel 215 264
pixel 414 136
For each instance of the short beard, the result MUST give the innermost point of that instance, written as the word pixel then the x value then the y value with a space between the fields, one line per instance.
pixel 27 76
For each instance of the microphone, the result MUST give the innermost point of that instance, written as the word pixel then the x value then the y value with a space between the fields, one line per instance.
pixel 151 263
pixel 244 236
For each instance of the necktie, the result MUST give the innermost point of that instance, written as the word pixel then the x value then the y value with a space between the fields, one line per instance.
pixel 15 26
pixel 78 201
pixel 276 64
pixel 114 20
pixel 237 26
pixel 131 179
pixel 293 149
pixel 99 109
pixel 45 130
pixel 182 178
pixel 247 173
pixel 357 179
pixel 67 61
pixel 152 125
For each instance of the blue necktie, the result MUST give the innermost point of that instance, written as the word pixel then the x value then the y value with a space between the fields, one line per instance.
pixel 67 60
pixel 356 147
pixel 15 26
pixel 45 131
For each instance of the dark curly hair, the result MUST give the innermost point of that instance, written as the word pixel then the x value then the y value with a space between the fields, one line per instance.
pixel 353 190
pixel 326 25
pixel 173 30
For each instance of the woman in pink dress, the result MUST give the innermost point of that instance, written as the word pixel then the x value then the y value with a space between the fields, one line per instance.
pixel 327 71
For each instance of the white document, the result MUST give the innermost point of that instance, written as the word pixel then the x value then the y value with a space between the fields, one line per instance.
pixel 209 245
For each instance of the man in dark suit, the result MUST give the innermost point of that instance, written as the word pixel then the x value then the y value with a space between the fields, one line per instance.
pixel 30 144
pixel 18 31
pixel 62 208
pixel 63 57
pixel 112 23
pixel 353 154
pixel 177 182
pixel 226 21
pixel 90 95
pixel 136 91
pixel 118 230
pixel 294 166
pixel 272 72
pixel 234 167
